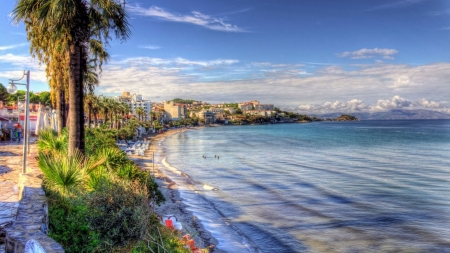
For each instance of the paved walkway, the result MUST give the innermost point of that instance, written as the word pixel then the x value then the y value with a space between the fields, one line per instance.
pixel 11 155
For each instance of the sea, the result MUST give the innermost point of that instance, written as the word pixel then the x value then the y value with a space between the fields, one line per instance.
pixel 360 186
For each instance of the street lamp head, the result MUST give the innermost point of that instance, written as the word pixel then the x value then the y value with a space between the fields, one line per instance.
pixel 12 88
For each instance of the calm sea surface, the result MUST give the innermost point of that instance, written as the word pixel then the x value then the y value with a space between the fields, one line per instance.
pixel 368 186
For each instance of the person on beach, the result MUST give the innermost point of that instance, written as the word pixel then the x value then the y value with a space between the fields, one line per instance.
pixel 18 131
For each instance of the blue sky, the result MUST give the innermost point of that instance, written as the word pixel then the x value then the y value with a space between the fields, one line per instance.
pixel 309 55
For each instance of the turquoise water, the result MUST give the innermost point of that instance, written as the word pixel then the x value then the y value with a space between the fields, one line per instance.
pixel 368 186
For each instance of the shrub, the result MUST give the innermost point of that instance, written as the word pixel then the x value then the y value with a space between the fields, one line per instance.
pixel 69 226
pixel 67 174
pixel 131 172
pixel 114 157
pixel 119 212
pixel 99 202
pixel 62 175
pixel 99 138
pixel 49 142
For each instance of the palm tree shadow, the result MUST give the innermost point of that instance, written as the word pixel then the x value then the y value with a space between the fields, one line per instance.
pixel 4 170
pixel 7 153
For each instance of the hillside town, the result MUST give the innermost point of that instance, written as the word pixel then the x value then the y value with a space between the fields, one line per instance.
pixel 159 115
pixel 191 112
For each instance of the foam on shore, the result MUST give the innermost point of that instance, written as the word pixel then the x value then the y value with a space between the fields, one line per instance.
pixel 184 199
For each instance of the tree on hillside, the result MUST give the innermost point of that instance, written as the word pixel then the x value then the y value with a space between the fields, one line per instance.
pixel 183 101
pixel 44 98
pixel 61 31
pixel 3 93
pixel 14 98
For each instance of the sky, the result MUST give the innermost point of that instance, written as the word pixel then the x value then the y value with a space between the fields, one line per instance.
pixel 312 56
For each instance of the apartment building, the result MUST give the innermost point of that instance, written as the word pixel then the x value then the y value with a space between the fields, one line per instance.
pixel 208 115
pixel 136 101
pixel 174 111
pixel 245 106
pixel 255 105
pixel 264 107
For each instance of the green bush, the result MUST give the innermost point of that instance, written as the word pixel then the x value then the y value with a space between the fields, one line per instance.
pixel 99 138
pixel 50 142
pixel 69 226
pixel 119 212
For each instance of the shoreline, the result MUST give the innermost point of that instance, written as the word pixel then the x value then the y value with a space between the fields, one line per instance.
pixel 174 203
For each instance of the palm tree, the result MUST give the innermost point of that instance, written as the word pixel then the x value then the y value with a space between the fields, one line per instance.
pixel 70 25
pixel 104 105
pixel 88 105
pixel 114 111
pixel 140 112
pixel 95 109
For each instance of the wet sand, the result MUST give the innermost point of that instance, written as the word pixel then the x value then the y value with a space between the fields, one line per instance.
pixel 174 203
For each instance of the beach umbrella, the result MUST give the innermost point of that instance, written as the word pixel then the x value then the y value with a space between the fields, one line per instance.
pixel 40 123
pixel 46 117
pixel 54 120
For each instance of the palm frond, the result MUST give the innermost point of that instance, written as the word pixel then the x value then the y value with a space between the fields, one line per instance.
pixel 62 174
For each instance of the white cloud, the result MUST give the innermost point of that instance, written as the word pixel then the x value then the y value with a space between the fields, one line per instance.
pixel 152 47
pixel 18 60
pixel 35 76
pixel 395 4
pixel 18 63
pixel 196 18
pixel 288 85
pixel 174 62
pixel 393 103
pixel 353 105
pixel 12 46
pixel 366 53
pixel 430 104
pixel 356 105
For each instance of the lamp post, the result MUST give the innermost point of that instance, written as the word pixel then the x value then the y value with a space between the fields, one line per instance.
pixel 12 89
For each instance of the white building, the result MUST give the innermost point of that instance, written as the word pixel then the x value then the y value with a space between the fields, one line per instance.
pixel 265 107
pixel 135 101
pixel 144 104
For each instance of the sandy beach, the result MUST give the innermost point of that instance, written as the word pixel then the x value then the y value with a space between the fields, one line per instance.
pixel 174 203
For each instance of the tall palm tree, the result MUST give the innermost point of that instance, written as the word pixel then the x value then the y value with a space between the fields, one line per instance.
pixel 140 112
pixel 104 107
pixel 88 105
pixel 71 24
pixel 114 108
pixel 95 109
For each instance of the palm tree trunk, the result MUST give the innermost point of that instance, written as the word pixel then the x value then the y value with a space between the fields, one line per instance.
pixel 95 118
pixel 89 114
pixel 61 107
pixel 76 114
pixel 106 116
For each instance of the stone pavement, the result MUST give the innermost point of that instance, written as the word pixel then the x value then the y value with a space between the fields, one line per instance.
pixel 10 169
pixel 23 205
